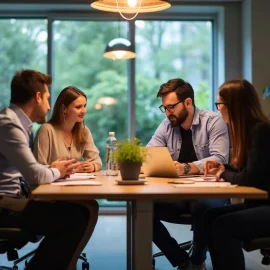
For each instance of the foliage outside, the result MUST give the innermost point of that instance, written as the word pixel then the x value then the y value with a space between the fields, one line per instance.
pixel 130 150
pixel 165 50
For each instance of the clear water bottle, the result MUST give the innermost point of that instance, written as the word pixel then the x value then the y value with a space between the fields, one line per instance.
pixel 111 165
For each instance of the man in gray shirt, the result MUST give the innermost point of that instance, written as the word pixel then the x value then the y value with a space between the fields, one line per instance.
pixel 191 136
pixel 63 225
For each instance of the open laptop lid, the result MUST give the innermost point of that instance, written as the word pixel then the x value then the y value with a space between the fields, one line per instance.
pixel 159 163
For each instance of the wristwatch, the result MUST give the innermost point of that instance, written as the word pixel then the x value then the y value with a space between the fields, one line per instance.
pixel 187 168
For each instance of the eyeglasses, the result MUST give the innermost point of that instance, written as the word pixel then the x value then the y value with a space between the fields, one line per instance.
pixel 169 108
pixel 218 105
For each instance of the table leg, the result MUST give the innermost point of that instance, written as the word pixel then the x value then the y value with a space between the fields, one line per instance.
pixel 129 236
pixel 142 234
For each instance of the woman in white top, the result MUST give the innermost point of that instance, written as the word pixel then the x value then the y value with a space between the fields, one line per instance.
pixel 65 135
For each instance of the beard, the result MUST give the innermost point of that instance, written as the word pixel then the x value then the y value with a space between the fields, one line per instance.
pixel 177 120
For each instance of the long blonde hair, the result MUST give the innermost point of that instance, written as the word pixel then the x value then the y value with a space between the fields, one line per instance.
pixel 66 97
pixel 245 111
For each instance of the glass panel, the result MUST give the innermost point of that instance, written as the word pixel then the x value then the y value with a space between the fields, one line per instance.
pixel 78 61
pixel 23 45
pixel 167 50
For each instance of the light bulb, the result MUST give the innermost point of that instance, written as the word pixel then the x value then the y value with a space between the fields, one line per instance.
pixel 98 106
pixel 119 54
pixel 132 3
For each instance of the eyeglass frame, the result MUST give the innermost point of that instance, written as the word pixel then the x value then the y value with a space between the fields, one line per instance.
pixel 218 103
pixel 164 108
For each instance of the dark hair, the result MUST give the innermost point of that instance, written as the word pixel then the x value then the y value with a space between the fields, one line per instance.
pixel 182 89
pixel 26 83
pixel 245 111
pixel 66 97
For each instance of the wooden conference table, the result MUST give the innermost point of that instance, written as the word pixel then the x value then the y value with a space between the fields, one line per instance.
pixel 140 200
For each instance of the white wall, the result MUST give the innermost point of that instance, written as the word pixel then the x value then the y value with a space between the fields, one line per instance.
pixel 256 45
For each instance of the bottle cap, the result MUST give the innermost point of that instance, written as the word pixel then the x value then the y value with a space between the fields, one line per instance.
pixel 111 133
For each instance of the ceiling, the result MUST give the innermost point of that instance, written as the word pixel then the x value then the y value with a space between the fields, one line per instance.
pixel 84 5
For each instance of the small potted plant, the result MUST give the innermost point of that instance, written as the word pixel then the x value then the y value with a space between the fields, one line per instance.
pixel 129 156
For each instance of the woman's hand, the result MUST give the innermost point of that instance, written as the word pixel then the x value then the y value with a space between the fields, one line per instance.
pixel 85 167
pixel 213 168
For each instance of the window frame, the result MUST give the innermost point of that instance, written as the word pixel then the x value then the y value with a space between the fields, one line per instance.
pixel 215 13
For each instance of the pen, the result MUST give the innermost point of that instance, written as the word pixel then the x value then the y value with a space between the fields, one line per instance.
pixel 182 183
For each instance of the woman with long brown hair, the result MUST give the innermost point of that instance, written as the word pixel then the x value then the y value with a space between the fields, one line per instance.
pixel 228 226
pixel 65 135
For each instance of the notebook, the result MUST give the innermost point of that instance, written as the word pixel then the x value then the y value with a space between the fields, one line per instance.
pixel 159 163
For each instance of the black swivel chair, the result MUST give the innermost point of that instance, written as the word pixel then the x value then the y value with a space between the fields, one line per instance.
pixel 184 219
pixel 263 244
pixel 13 239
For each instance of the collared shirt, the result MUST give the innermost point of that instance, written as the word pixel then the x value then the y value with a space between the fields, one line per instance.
pixel 209 135
pixel 16 158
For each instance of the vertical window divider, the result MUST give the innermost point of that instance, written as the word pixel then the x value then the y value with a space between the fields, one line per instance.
pixel 50 64
pixel 131 84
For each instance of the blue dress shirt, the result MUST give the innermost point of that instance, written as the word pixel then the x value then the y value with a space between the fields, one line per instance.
pixel 209 135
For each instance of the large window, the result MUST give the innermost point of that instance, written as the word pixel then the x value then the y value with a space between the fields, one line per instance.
pixel 23 44
pixel 78 61
pixel 167 50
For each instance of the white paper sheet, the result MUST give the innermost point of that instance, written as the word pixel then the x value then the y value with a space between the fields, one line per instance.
pixel 77 183
pixel 77 176
pixel 202 179
pixel 206 184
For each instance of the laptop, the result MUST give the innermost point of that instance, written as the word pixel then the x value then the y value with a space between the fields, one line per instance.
pixel 159 163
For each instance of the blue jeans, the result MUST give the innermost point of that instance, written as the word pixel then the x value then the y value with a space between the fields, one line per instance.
pixel 169 212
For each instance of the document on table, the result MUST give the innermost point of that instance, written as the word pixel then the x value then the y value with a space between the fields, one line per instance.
pixel 77 176
pixel 206 184
pixel 77 179
pixel 77 183
pixel 202 179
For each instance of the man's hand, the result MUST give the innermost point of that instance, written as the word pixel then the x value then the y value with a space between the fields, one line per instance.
pixel 65 167
pixel 179 167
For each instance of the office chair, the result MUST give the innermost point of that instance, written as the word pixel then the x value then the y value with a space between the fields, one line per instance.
pixel 263 244
pixel 13 239
pixel 184 219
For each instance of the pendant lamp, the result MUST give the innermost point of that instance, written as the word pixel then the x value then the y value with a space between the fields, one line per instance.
pixel 119 48
pixel 130 6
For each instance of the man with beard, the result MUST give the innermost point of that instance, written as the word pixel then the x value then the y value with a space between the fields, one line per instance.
pixel 191 136
pixel 64 225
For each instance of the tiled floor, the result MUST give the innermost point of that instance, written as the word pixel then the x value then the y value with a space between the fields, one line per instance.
pixel 107 247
